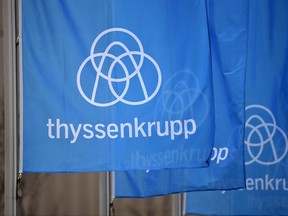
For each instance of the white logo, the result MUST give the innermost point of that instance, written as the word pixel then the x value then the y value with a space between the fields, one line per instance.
pixel 117 74
pixel 182 95
pixel 264 137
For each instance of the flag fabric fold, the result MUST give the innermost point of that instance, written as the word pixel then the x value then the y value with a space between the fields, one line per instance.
pixel 266 127
pixel 228 27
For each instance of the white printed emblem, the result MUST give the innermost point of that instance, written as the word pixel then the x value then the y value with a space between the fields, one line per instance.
pixel 106 66
pixel 263 137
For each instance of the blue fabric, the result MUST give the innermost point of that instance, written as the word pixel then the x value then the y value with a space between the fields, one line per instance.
pixel 119 85
pixel 266 126
pixel 228 28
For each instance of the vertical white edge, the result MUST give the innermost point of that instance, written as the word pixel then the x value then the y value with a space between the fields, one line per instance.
pixel 177 204
pixel 112 185
pixel 184 203
pixel 20 73
pixel 10 106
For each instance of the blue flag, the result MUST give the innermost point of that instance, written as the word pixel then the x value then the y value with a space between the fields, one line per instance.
pixel 228 42
pixel 118 85
pixel 266 127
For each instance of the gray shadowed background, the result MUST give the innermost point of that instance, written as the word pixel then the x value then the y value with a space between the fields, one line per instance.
pixel 67 194
pixel 1 114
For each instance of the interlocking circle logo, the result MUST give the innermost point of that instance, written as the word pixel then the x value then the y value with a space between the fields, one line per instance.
pixel 266 143
pixel 115 72
pixel 182 95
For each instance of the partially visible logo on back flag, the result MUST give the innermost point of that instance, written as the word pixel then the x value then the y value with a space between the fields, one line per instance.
pixel 263 137
pixel 115 59
pixel 182 95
